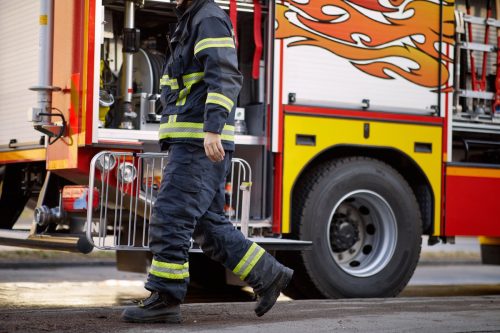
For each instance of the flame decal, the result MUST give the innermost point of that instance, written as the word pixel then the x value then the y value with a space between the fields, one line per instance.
pixel 379 37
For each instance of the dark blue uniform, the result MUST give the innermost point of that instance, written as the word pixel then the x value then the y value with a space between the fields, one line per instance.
pixel 200 85
pixel 201 81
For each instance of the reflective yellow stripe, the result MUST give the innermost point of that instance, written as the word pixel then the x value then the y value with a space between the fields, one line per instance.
pixel 183 93
pixel 249 260
pixel 172 118
pixel 185 124
pixel 169 265
pixel 213 42
pixel 188 135
pixel 189 80
pixel 169 270
pixel 219 99
pixel 245 258
pixel 176 130
pixel 168 275
pixel 167 81
pixel 196 76
pixel 252 264
pixel 181 100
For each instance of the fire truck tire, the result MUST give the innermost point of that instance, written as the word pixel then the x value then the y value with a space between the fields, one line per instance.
pixel 366 227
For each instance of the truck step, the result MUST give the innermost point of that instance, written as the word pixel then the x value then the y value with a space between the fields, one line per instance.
pixel 270 244
pixel 23 238
pixel 281 244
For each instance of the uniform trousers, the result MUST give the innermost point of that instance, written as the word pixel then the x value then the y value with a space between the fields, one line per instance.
pixel 190 204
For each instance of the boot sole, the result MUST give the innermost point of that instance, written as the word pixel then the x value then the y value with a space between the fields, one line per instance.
pixel 171 319
pixel 284 281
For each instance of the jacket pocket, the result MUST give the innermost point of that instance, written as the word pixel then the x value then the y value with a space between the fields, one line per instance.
pixel 168 95
pixel 169 98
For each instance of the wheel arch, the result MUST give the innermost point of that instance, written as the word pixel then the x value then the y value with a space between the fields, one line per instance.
pixel 399 160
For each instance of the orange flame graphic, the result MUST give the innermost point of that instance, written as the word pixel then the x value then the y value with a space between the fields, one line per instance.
pixel 374 37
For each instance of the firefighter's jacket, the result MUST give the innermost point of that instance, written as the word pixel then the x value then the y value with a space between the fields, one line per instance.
pixel 201 81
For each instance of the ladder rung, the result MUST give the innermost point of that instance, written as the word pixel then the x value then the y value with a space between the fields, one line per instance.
pixel 482 21
pixel 477 94
pixel 478 47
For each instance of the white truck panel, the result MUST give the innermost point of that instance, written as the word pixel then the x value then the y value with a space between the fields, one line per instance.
pixel 333 79
pixel 18 69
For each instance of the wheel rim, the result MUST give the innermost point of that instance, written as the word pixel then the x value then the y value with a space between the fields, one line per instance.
pixel 362 233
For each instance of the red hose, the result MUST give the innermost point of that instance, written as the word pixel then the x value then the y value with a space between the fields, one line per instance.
pixel 257 19
pixel 233 15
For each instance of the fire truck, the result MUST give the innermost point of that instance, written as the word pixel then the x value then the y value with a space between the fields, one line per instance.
pixel 362 125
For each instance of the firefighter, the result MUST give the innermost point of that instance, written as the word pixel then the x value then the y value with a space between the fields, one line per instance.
pixel 200 86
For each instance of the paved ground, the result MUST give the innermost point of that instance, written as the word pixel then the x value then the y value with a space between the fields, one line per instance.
pixel 450 314
pixel 56 292
pixel 90 299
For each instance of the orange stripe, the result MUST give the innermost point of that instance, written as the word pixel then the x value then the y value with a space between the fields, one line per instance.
pixel 57 164
pixel 489 240
pixel 28 155
pixel 473 172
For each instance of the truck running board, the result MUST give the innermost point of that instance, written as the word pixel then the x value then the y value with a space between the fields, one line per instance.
pixel 271 244
pixel 23 238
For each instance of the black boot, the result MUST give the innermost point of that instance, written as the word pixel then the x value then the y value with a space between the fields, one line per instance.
pixel 267 297
pixel 154 309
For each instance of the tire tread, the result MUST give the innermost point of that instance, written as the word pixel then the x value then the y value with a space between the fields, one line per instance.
pixel 307 283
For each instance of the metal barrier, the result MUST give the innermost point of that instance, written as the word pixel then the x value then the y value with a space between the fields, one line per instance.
pixel 128 183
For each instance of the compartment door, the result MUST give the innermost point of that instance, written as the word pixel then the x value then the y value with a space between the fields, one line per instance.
pixel 18 70
pixel 472 201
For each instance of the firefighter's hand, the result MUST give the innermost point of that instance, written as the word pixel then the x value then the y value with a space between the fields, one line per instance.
pixel 213 147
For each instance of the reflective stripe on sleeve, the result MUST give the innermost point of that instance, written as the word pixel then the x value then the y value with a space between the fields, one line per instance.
pixel 167 81
pixel 190 79
pixel 214 42
pixel 176 130
pixel 169 270
pixel 248 261
pixel 219 99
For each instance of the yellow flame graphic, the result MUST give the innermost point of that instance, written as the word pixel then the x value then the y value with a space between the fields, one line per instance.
pixel 377 39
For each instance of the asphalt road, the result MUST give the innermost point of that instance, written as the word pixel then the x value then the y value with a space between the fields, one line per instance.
pixel 449 314
pixel 449 292
pixel 90 299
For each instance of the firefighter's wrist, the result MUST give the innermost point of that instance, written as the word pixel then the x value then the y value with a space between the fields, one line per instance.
pixel 212 128
pixel 211 134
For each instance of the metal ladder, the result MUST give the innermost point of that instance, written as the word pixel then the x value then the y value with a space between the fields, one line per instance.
pixel 478 90
pixel 128 182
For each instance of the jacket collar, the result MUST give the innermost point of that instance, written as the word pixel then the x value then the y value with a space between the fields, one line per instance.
pixel 181 31
pixel 191 10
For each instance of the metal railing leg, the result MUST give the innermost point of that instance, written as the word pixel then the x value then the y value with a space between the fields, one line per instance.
pixel 245 207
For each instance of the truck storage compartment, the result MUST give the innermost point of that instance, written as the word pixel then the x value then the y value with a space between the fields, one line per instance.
pixel 18 70
pixel 154 21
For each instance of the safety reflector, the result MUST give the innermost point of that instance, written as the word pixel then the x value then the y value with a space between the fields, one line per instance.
pixel 75 198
